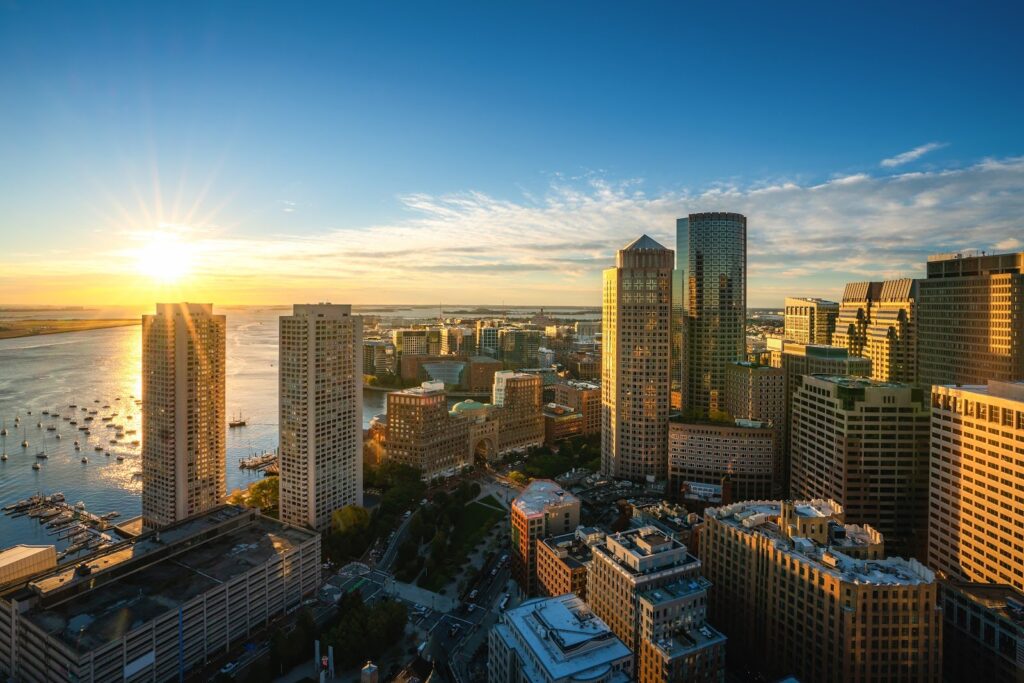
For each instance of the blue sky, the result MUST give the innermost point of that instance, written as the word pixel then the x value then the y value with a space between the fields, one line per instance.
pixel 408 152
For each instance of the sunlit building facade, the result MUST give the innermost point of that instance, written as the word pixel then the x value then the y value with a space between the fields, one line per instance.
pixel 809 320
pixel 878 320
pixel 636 360
pixel 541 510
pixel 970 320
pixel 320 413
pixel 977 483
pixel 183 412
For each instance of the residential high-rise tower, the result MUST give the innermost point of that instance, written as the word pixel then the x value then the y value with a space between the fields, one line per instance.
pixel 183 412
pixel 809 320
pixel 320 413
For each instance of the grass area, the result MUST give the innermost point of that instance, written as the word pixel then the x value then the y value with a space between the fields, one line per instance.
pixel 475 520
pixel 11 329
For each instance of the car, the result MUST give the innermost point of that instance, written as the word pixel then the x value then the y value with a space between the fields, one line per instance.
pixel 228 668
pixel 494 572
pixel 473 594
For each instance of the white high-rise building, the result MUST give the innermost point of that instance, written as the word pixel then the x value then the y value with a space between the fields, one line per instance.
pixel 635 363
pixel 320 413
pixel 183 412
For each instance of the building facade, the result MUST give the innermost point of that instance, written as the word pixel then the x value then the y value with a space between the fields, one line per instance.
pixel 160 606
pixel 810 320
pixel 543 509
pixel 519 397
pixel 562 562
pixel 711 257
pixel 970 319
pixel 555 640
pixel 677 644
pixel 320 413
pixel 636 322
pixel 420 432
pixel 183 412
pixel 983 632
pixel 754 391
pixel 977 479
pixel 802 593
pixel 707 452
pixel 864 444
pixel 878 320
pixel 584 398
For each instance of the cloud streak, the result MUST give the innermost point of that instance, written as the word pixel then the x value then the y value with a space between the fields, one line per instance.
pixel 471 247
pixel 911 155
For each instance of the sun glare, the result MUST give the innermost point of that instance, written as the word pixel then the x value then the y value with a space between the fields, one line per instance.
pixel 164 257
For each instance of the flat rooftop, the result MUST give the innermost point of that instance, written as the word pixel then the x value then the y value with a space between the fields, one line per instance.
pixel 761 517
pixel 1011 391
pixel 570 548
pixel 568 640
pixel 1000 598
pixel 96 616
pixel 850 382
pixel 540 494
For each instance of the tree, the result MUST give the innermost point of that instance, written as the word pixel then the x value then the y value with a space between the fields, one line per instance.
pixel 350 519
pixel 518 478
pixel 264 494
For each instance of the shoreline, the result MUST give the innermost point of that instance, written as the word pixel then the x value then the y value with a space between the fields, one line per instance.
pixel 18 328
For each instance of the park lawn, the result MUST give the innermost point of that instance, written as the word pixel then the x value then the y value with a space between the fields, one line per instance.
pixel 475 521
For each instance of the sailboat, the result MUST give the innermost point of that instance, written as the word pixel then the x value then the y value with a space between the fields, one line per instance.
pixel 3 442
pixel 24 439
pixel 237 421
pixel 3 429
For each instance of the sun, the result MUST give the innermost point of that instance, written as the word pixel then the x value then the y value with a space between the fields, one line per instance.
pixel 164 257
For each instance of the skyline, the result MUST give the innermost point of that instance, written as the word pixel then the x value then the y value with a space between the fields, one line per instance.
pixel 263 157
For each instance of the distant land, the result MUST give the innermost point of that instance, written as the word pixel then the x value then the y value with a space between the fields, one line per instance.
pixel 11 329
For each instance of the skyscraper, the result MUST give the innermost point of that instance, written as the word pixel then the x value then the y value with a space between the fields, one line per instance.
pixel 320 413
pixel 878 320
pixel 976 482
pixel 971 314
pixel 712 258
pixel 183 412
pixel 635 361
pixel 810 321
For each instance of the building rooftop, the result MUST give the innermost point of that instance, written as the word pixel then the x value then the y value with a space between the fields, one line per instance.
pixel 568 640
pixel 540 494
pixel 642 242
pixel 765 518
pixel 425 389
pixel 570 548
pixel 645 550
pixel 851 382
pixel 811 300
pixel 1002 599
pixel 1012 391
pixel 143 578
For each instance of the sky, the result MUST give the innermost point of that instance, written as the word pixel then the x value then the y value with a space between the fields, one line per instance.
pixel 269 153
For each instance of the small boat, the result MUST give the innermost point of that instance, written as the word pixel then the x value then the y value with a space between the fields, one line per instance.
pixel 58 437
pixel 98 449
pixel 17 419
pixel 77 447
pixel 46 412
pixel 72 405
pixel 76 443
pixel 93 412
pixel 89 418
pixel 42 455
pixel 95 400
pixel 51 428
pixel 73 423
pixel 4 456
pixel 39 425
pixel 107 418
pixel 113 442
pixel 107 453
pixel 84 409
pixel 238 421
pixel 85 459
pixel 29 412
pixel 106 406
pixel 36 466
pixel 120 458
pixel 3 431
pixel 130 431
pixel 83 428
pixel 136 442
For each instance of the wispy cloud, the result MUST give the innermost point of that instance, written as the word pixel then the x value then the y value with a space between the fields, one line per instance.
pixel 804 239
pixel 912 155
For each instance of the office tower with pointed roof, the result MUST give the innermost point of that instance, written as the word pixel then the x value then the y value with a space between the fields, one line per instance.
pixel 711 305
pixel 635 362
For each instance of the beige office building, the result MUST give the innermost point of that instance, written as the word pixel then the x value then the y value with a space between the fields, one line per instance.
pixel 864 444
pixel 320 413
pixel 636 320
pixel 802 593
pixel 970 320
pixel 707 452
pixel 977 483
pixel 183 412
pixel 519 396
pixel 809 320
pixel 878 320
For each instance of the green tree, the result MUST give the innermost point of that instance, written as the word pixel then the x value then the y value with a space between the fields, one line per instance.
pixel 350 519
pixel 518 478
pixel 264 493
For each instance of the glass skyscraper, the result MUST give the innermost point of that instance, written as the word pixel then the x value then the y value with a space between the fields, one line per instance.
pixel 710 306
